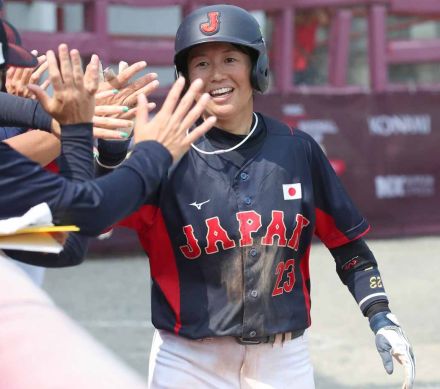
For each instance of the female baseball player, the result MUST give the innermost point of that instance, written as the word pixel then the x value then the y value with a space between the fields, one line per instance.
pixel 229 232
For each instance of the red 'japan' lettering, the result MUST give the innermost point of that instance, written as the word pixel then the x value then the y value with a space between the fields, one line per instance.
pixel 248 222
pixel 275 228
pixel 301 223
pixel 192 249
pixel 216 233
pixel 287 267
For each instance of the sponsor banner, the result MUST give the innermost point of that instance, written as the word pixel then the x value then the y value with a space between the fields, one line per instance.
pixel 393 186
pixel 388 125
pixel 384 148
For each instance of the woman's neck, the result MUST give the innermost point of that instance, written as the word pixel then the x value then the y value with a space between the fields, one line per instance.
pixel 239 125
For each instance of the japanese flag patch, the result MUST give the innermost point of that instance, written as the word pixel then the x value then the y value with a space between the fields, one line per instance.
pixel 292 191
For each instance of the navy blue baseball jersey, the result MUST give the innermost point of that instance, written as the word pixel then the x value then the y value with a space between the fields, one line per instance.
pixel 228 235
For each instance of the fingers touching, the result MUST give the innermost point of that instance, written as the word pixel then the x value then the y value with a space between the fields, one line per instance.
pixel 170 126
pixel 73 99
pixel 18 79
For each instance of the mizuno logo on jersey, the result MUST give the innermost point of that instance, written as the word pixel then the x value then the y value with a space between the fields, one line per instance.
pixel 199 205
pixel 248 224
pixel 292 191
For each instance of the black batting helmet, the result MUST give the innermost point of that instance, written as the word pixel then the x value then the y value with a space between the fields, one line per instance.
pixel 223 23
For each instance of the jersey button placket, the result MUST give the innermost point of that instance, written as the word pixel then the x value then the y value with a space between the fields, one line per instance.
pixel 245 192
pixel 252 304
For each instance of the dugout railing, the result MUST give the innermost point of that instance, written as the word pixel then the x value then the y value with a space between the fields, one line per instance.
pixel 382 51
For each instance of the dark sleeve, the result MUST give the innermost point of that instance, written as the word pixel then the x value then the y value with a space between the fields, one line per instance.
pixel 111 153
pixel 76 164
pixel 357 268
pixel 9 132
pixel 92 205
pixel 338 221
pixel 75 249
pixel 21 112
pixel 76 159
pixel 122 191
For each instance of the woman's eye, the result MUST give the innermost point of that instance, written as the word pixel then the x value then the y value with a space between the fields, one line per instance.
pixel 201 64
pixel 230 59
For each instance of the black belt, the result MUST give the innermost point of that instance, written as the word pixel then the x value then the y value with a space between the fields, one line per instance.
pixel 289 335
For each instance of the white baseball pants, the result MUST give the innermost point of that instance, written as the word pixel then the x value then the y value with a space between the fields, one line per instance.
pixel 222 363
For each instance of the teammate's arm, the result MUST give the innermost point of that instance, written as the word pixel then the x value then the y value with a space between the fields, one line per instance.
pixel 21 112
pixel 38 146
pixel 76 160
pixel 73 253
pixel 95 205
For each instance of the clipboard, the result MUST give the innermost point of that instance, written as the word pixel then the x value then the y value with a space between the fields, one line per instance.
pixel 38 238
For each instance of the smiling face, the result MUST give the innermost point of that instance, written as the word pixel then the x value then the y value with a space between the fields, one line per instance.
pixel 225 71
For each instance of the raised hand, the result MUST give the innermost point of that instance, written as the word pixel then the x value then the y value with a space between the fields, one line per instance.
pixel 116 99
pixel 170 126
pixel 105 127
pixel 107 123
pixel 117 89
pixel 73 100
pixel 17 79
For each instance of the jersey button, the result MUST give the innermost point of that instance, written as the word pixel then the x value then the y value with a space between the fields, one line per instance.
pixel 254 293
pixel 253 334
pixel 253 252
pixel 244 176
pixel 247 200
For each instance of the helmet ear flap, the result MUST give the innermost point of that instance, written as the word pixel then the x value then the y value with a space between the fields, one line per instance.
pixel 176 73
pixel 260 73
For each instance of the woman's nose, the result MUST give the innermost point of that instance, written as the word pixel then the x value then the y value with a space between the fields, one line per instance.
pixel 217 73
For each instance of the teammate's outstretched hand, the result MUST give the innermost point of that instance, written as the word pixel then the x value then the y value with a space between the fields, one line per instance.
pixel 117 89
pixel 17 79
pixel 392 342
pixel 107 123
pixel 116 99
pixel 73 100
pixel 171 124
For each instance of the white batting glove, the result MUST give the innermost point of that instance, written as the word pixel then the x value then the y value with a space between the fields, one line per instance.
pixel 392 342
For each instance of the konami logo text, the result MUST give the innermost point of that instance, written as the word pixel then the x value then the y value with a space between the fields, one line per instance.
pixel 387 125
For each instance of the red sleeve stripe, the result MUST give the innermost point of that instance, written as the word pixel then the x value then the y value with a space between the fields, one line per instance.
pixel 163 267
pixel 52 167
pixel 328 232
pixel 305 272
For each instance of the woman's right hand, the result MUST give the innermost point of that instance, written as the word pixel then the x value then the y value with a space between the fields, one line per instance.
pixel 171 124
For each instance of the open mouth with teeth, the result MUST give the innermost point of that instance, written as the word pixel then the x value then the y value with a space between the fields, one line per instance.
pixel 221 92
